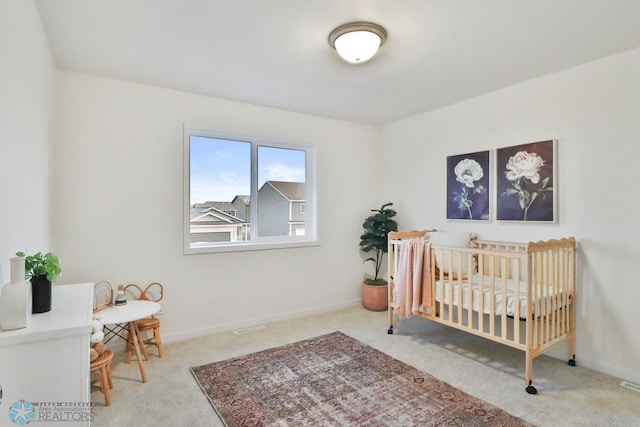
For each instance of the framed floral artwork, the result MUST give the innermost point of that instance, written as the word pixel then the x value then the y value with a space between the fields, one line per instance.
pixel 526 187
pixel 468 186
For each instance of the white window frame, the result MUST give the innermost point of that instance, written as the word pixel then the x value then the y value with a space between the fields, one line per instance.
pixel 258 242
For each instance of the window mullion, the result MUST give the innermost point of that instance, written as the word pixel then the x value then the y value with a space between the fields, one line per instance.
pixel 254 191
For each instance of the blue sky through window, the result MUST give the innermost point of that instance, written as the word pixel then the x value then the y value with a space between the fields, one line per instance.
pixel 221 169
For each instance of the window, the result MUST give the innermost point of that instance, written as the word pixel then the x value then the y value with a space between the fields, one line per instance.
pixel 244 193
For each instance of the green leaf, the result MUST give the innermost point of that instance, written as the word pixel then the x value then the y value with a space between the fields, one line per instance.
pixel 544 182
pixel 42 265
pixel 524 198
pixel 375 238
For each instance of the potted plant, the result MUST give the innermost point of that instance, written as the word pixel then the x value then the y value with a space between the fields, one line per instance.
pixel 375 238
pixel 42 269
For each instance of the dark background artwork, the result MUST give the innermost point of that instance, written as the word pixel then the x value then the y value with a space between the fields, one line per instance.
pixel 522 199
pixel 464 202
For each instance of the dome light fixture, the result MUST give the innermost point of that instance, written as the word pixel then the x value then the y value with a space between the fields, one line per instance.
pixel 357 42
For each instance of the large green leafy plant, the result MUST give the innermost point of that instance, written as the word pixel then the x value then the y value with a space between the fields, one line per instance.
pixel 41 265
pixel 376 229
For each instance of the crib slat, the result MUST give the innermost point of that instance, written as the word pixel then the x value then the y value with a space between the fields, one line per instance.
pixel 555 300
pixel 516 314
pixel 536 299
pixel 492 295
pixel 567 290
pixel 562 289
pixel 469 278
pixel 547 297
pixel 457 277
pixel 504 274
pixel 552 285
pixel 543 299
pixel 481 292
pixel 543 307
pixel 451 299
pixel 437 308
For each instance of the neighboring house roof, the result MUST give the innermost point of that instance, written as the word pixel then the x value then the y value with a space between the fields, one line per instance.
pixel 244 199
pixel 212 216
pixel 292 191
pixel 223 206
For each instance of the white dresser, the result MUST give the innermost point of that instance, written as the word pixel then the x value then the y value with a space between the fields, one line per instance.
pixel 49 360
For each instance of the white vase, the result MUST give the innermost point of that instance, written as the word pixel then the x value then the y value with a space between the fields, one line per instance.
pixel 15 299
pixel 17 269
pixel 15 305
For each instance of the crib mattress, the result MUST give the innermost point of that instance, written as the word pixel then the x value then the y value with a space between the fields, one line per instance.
pixel 546 300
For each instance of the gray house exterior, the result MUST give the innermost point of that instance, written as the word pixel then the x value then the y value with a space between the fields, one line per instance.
pixel 242 205
pixel 281 209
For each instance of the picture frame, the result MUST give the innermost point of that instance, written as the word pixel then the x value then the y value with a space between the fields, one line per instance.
pixel 526 182
pixel 469 186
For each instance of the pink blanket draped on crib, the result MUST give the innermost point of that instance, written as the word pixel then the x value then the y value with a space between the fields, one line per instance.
pixel 412 287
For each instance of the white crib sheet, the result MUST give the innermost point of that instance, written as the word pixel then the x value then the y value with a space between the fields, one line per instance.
pixel 549 299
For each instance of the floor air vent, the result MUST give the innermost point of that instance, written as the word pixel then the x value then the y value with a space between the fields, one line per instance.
pixel 630 386
pixel 251 329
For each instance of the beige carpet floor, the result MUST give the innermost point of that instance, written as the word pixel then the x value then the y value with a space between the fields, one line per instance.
pixel 567 396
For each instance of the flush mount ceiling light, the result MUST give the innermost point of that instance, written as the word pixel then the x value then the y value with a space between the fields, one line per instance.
pixel 357 42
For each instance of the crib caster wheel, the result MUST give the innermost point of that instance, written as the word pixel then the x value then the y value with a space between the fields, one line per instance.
pixel 390 330
pixel 531 389
pixel 572 361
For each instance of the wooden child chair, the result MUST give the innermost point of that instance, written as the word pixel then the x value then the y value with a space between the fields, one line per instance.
pixel 102 365
pixel 153 292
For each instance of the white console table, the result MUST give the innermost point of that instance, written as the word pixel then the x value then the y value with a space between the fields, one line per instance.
pixel 49 360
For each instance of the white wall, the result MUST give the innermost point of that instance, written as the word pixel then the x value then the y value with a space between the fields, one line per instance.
pixel 594 113
pixel 118 205
pixel 26 117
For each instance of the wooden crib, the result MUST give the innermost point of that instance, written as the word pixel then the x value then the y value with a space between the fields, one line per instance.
pixel 490 288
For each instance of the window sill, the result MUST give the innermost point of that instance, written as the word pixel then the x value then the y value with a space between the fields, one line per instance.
pixel 253 246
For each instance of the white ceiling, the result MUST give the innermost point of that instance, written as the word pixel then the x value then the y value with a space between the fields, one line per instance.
pixel 275 52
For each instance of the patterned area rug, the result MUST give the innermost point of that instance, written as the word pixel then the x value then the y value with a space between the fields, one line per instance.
pixel 335 380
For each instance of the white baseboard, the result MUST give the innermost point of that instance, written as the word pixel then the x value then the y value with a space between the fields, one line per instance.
pixel 562 352
pixel 228 327
pixel 615 371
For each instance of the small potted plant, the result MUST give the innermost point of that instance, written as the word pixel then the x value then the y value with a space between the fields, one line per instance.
pixel 375 238
pixel 42 269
